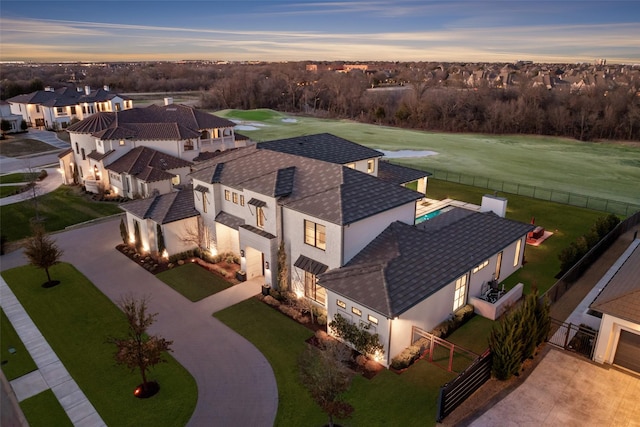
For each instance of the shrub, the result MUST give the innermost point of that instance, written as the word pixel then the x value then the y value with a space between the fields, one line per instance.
pixel 506 348
pixel 43 174
pixel 359 336
pixel 406 357
pixel 321 319
pixel 271 301
pixel 459 318
pixel 289 311
pixel 570 255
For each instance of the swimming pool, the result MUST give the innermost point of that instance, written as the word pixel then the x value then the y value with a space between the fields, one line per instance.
pixel 432 214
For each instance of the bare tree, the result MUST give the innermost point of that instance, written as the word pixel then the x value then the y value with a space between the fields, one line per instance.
pixel 42 251
pixel 326 378
pixel 139 350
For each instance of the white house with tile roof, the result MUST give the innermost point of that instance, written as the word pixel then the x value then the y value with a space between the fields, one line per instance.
pixel 56 108
pixel 415 277
pixel 617 304
pixel 175 130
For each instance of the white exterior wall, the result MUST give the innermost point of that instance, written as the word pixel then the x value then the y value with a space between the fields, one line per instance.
pixel 359 234
pixel 382 328
pixel 66 166
pixel 227 239
pixel 609 335
pixel 88 142
pixel 362 166
pixel 173 233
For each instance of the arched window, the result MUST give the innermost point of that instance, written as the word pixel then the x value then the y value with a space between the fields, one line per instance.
pixel 205 135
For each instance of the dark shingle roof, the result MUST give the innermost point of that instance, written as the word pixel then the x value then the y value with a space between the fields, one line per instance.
pixel 621 295
pixel 405 264
pixel 64 96
pixel 65 153
pixel 147 164
pixel 324 190
pixel 322 146
pixel 164 208
pixel 154 122
pixel 229 220
pixel 397 174
pixel 99 156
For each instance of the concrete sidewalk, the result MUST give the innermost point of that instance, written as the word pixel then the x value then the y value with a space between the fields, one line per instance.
pixel 51 373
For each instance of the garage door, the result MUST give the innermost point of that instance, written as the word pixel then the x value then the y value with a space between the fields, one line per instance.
pixel 628 351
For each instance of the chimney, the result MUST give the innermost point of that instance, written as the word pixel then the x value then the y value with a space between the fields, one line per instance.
pixel 87 90
pixel 106 87
pixel 168 101
pixel 495 204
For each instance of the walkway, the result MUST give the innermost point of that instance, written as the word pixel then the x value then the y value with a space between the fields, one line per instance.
pixel 51 373
pixel 49 137
pixel 236 384
pixel 47 185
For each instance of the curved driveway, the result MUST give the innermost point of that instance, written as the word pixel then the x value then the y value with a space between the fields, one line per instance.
pixel 236 385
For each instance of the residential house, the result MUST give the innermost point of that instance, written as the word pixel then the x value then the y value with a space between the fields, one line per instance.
pixel 56 108
pixel 14 120
pixel 175 130
pixel 618 341
pixel 411 278
pixel 333 149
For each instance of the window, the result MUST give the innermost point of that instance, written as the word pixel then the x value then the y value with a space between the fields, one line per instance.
pixel 314 234
pixel 175 180
pixel 312 290
pixel 60 110
pixel 188 145
pixel 498 265
pixel 204 202
pixel 516 258
pixel 121 142
pixel 73 110
pixel 235 198
pixel 372 319
pixel 356 311
pixel 77 149
pixel 227 195
pixel 370 166
pixel 351 165
pixel 241 200
pixel 259 217
pixel 341 303
pixel 117 105
pixel 37 108
pixel 480 266
pixel 84 157
pixel 460 295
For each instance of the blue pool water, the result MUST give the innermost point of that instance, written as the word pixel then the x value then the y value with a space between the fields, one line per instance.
pixel 428 216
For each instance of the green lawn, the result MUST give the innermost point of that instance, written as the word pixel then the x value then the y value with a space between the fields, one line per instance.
pixel 605 170
pixel 18 146
pixel 15 364
pixel 44 410
pixel 473 335
pixel 8 190
pixel 17 177
pixel 76 319
pixel 61 208
pixel 541 263
pixel 193 282
pixel 408 399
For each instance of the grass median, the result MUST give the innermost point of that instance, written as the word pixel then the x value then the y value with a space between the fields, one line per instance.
pixel 193 282
pixel 76 319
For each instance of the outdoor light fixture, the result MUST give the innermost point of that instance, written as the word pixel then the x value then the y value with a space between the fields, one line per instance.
pixel 242 253
pixel 266 265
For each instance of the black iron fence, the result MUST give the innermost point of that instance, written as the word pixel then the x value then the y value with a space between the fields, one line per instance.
pixel 456 391
pixel 551 195
pixel 567 280
pixel 577 338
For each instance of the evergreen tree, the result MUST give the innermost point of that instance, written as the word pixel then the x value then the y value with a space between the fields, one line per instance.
pixel 123 231
pixel 161 246
pixel 136 233
pixel 506 348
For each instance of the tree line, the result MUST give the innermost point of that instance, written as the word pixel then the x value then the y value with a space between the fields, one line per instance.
pixel 416 100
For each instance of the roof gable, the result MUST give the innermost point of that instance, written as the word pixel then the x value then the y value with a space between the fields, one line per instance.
pixel 164 208
pixel 147 164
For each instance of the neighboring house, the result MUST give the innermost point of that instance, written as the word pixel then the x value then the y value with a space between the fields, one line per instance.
pixel 413 277
pixel 333 149
pixel 618 302
pixel 166 213
pixel 173 129
pixel 56 108
pixel 144 171
pixel 6 115
pixel 250 199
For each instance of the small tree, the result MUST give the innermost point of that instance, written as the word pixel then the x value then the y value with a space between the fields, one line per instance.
pixel 362 340
pixel 326 378
pixel 123 231
pixel 506 348
pixel 283 271
pixel 140 351
pixel 161 246
pixel 137 236
pixel 41 251
pixel 5 126
pixel 23 126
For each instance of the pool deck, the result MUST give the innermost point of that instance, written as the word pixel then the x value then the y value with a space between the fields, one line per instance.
pixel 426 205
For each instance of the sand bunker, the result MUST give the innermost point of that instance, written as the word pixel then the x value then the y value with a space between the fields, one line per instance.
pixel 407 153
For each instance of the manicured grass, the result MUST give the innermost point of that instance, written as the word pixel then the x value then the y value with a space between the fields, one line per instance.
pixel 408 399
pixel 76 319
pixel 8 190
pixel 17 177
pixel 61 208
pixel 19 363
pixel 193 282
pixel 44 410
pixel 605 170
pixel 473 335
pixel 541 263
pixel 16 147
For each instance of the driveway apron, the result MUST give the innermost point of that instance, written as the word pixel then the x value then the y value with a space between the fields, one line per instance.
pixel 236 384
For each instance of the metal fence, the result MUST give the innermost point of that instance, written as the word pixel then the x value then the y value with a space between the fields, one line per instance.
pixel 551 195
pixel 576 338
pixel 456 391
pixel 567 280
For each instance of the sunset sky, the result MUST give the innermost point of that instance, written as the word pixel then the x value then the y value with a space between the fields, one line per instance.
pixel 502 31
